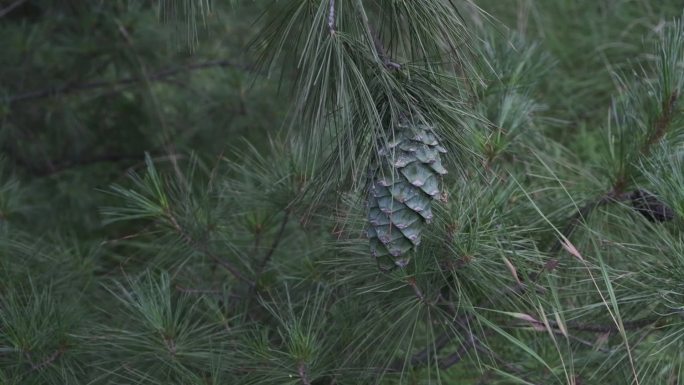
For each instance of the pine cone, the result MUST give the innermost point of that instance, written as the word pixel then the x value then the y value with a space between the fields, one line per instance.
pixel 650 206
pixel 403 187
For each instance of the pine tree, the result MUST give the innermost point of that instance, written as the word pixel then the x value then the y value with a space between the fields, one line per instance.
pixel 339 192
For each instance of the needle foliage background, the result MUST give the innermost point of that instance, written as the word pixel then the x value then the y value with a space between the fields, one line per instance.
pixel 185 190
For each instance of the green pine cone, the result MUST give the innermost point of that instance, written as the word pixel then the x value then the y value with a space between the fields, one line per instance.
pixel 403 188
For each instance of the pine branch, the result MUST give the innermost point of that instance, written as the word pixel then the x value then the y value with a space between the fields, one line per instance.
pixel 659 129
pixel 155 76
pixel 471 340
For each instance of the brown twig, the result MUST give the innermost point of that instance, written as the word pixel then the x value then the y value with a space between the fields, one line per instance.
pixel 303 375
pixel 48 360
pixel 155 76
pixel 416 290
pixel 662 123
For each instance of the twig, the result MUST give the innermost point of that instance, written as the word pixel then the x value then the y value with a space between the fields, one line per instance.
pixel 225 264
pixel 267 257
pixel 331 17
pixel 59 166
pixel 556 329
pixel 419 293
pixel 382 53
pixel 257 241
pixel 379 47
pixel 607 328
pixel 11 7
pixel 216 292
pixel 585 343
pixel 303 375
pixel 156 76
pixel 581 215
pixel 511 367
pixel 486 378
pixel 201 247
pixel 47 361
pixel 662 123
pixel 170 345
pixel 422 357
pixel 438 344
pixel 269 254
pixel 455 358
